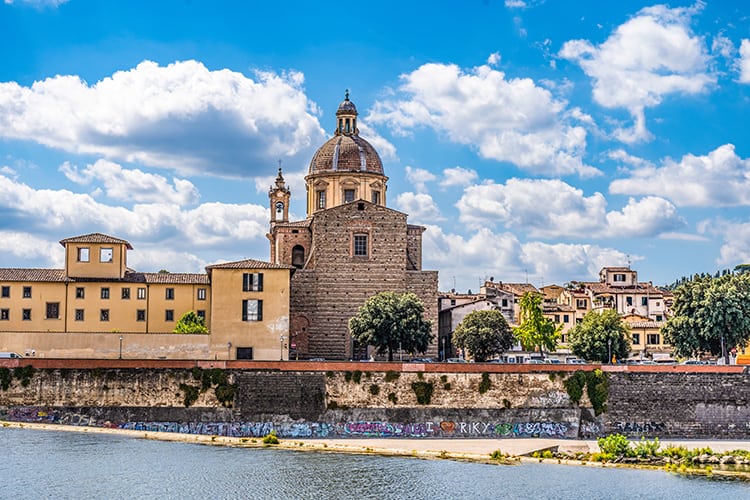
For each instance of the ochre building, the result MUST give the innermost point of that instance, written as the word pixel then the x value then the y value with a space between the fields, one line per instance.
pixel 350 247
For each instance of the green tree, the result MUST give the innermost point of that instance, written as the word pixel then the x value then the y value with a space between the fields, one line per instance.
pixel 484 334
pixel 600 336
pixel 190 323
pixel 536 331
pixel 711 315
pixel 392 321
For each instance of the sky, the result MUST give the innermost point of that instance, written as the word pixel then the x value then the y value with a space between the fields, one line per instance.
pixel 536 140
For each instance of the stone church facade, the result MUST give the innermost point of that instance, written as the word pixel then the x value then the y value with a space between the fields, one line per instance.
pixel 350 247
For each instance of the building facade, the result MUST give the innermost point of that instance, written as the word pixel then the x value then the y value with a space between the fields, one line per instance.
pixel 350 247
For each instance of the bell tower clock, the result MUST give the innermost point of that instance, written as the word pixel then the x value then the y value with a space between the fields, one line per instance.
pixel 279 196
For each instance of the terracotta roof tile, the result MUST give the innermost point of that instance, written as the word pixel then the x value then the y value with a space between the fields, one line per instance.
pixel 96 238
pixel 51 275
pixel 248 264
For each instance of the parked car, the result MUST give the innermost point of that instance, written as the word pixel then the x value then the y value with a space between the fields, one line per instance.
pixel 552 361
pixel 575 361
pixel 456 360
pixel 10 355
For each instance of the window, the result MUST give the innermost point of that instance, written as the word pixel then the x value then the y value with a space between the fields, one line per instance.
pixel 26 314
pixel 580 303
pixel 5 292
pixel 141 293
pixel 348 195
pixel 83 254
pixel 169 315
pixel 360 245
pixel 252 310
pixel 566 318
pixel 557 318
pixel 27 292
pixel 105 255
pixel 104 315
pixel 629 300
pixel 453 302
pixel 652 339
pixel 4 314
pixel 169 294
pixel 79 314
pixel 505 302
pixel 579 321
pixel 53 310
pixel 140 315
pixel 201 294
pixel 659 317
pixel 125 293
pixel 244 353
pixel 298 256
pixel 201 314
pixel 105 292
pixel 252 282
pixel 321 199
pixel 644 301
pixel 80 292
pixel 619 277
pixel 636 338
pixel 376 197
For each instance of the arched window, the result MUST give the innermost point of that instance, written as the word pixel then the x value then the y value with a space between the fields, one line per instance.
pixel 298 256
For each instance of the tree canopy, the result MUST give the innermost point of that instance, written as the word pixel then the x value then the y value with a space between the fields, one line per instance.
pixel 484 334
pixel 190 323
pixel 600 336
pixel 391 321
pixel 710 313
pixel 536 331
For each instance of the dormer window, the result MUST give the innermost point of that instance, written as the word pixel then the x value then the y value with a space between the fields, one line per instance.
pixel 105 255
pixel 83 254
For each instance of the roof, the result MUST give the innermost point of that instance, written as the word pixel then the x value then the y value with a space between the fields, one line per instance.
pixel 642 288
pixel 346 153
pixel 96 238
pixel 38 275
pixel 174 278
pixel 248 264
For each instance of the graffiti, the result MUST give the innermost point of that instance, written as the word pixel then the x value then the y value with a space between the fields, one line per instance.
pixel 374 429
pixel 635 428
pixel 590 429
pixel 551 399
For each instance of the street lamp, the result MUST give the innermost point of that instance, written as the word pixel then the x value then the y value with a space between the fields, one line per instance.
pixel 609 350
pixel 281 347
pixel 229 350
pixel 120 356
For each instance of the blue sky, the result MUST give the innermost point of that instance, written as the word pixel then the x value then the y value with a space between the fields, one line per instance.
pixel 537 140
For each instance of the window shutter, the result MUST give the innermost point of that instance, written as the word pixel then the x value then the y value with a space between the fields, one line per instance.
pixel 260 282
pixel 260 310
pixel 246 281
pixel 244 310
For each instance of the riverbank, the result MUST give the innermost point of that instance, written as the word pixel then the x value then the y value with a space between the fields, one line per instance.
pixel 515 450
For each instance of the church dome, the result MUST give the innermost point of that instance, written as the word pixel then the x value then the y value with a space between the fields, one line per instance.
pixel 346 151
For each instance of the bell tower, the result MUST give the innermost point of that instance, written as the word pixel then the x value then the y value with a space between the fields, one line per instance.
pixel 278 196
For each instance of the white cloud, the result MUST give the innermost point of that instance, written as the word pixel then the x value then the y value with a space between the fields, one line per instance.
pixel 32 248
pixel 652 55
pixel 720 178
pixel 133 185
pixel 385 148
pixel 494 59
pixel 744 61
pixel 218 225
pixel 468 261
pixel 511 120
pixel 419 177
pixel 458 176
pixel 420 207
pixel 735 236
pixel 181 116
pixel 552 209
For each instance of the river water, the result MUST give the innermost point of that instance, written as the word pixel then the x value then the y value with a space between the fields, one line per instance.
pixel 62 465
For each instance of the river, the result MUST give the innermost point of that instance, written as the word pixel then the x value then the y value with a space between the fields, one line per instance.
pixel 51 464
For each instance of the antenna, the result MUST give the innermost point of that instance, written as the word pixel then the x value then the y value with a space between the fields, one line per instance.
pixel 628 255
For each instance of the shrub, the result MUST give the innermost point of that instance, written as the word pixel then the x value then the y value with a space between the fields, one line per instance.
pixel 24 374
pixel 333 405
pixel 423 390
pixel 485 384
pixel 444 378
pixel 615 444
pixel 391 376
pixel 498 455
pixel 506 403
pixel 645 448
pixel 671 451
pixel 271 438
pixel 447 386
pixel 597 388
pixel 225 394
pixel 197 372
pixel 329 374
pixel 356 376
pixel 191 394
pixel 374 389
pixel 5 378
pixel 574 385
pixel 392 397
pixel 348 376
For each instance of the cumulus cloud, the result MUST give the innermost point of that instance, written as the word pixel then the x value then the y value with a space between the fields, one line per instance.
pixel 744 61
pixel 511 120
pixel 652 55
pixel 385 148
pixel 458 176
pixel 552 208
pixel 419 177
pixel 420 207
pixel 470 260
pixel 720 178
pixel 734 236
pixel 32 248
pixel 133 185
pixel 181 116
pixel 62 213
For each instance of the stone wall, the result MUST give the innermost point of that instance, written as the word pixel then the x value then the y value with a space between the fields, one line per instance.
pixel 699 405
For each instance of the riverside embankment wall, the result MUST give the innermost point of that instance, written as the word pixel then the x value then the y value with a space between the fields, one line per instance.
pixel 304 399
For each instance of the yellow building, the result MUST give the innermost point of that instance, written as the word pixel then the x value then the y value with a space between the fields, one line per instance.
pixel 97 307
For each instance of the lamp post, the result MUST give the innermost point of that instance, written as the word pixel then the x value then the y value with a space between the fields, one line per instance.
pixel 120 356
pixel 281 347
pixel 609 350
pixel 229 351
